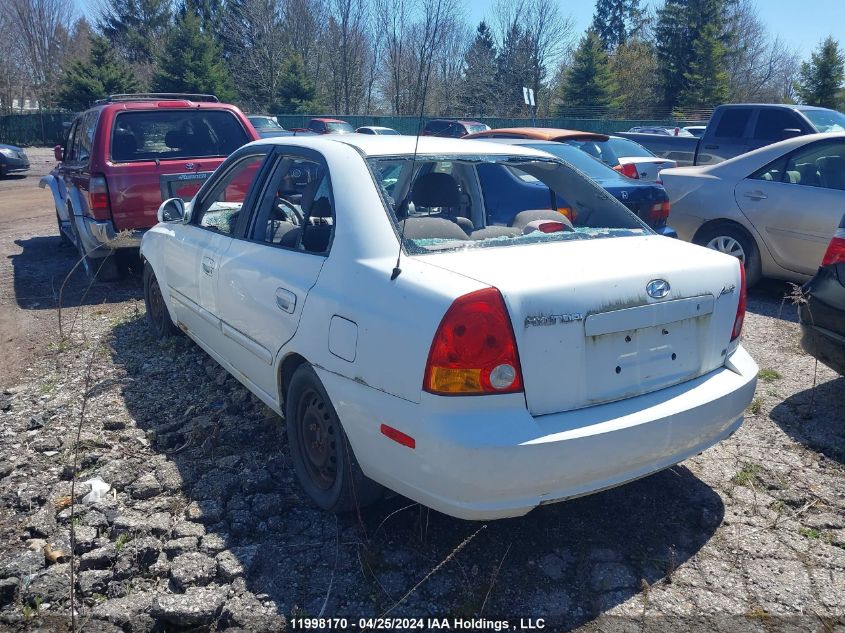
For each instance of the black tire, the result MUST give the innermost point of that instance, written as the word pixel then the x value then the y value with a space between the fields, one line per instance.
pixel 102 268
pixel 66 241
pixel 322 457
pixel 158 318
pixel 732 239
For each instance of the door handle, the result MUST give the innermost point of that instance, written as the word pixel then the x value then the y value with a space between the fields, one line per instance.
pixel 756 195
pixel 208 266
pixel 285 300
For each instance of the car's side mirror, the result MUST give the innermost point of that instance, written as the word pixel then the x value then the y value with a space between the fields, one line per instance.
pixel 791 132
pixel 58 152
pixel 171 210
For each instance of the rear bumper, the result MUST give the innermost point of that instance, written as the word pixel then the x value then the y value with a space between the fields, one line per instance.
pixel 100 235
pixel 13 165
pixel 488 458
pixel 822 318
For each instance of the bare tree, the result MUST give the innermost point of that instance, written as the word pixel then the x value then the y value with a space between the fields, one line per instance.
pixel 393 22
pixel 42 27
pixel 346 41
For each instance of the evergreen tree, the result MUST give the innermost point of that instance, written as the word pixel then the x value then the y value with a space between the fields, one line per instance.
pixel 681 24
pixel 136 27
pixel 706 79
pixel 588 80
pixel 191 62
pixel 101 74
pixel 615 21
pixel 210 13
pixel 296 91
pixel 820 79
pixel 513 71
pixel 478 89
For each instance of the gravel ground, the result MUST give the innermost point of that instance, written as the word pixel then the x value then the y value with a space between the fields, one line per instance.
pixel 205 528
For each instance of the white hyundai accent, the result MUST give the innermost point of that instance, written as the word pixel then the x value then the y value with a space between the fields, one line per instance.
pixel 478 327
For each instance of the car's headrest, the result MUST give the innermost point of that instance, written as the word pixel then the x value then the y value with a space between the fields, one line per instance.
pixel 436 190
pixel 321 208
pixel 124 144
pixel 175 139
pixel 428 228
pixel 522 218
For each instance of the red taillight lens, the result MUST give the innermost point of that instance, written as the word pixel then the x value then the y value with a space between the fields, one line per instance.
pixel 740 308
pixel 629 170
pixel 660 211
pixel 474 349
pixel 98 198
pixel 836 249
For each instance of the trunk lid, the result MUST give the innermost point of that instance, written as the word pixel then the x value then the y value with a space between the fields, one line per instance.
pixel 137 189
pixel 586 329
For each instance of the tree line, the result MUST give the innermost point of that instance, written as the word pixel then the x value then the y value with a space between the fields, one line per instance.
pixel 402 57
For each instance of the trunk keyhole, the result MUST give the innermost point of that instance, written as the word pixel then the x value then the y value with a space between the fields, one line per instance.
pixel 665 331
pixel 674 356
pixel 627 339
pixel 618 369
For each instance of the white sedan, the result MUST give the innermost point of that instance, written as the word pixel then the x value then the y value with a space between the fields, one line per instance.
pixel 775 208
pixel 482 369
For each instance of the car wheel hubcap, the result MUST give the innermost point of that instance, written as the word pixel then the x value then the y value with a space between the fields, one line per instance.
pixel 728 245
pixel 318 441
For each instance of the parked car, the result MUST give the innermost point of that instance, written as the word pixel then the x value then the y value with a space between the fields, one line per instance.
pixel 738 128
pixel 822 315
pixel 267 126
pixel 452 128
pixel 645 129
pixel 696 130
pixel 126 154
pixel 774 208
pixel 648 200
pixel 375 129
pixel 492 368
pixel 12 160
pixel 627 157
pixel 329 126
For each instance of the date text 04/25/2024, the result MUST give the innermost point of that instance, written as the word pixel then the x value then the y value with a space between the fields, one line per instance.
pixel 424 624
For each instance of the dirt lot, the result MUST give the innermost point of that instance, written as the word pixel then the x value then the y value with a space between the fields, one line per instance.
pixel 207 529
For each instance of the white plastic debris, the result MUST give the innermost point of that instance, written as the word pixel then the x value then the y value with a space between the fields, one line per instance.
pixel 99 488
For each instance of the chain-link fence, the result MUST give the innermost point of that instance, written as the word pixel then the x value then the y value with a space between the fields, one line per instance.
pixel 34 129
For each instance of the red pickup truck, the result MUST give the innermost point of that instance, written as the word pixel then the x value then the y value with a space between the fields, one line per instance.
pixel 127 154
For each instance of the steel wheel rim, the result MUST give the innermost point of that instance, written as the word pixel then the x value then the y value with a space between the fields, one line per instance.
pixel 317 439
pixel 156 303
pixel 728 245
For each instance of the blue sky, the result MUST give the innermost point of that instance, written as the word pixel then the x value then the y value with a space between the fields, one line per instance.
pixel 800 23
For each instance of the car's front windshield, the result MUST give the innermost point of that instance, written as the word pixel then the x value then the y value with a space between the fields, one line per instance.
pixel 450 202
pixel 624 147
pixel 826 120
pixel 584 161
pixel 339 127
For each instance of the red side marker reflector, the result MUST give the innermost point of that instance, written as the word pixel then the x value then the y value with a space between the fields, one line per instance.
pixel 398 436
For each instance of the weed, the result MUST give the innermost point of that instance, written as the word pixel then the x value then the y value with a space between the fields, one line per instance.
pixel 748 475
pixel 768 375
pixel 30 611
pixel 48 387
pixel 756 406
pixel 757 612
pixel 807 532
pixel 121 541
pixel 777 506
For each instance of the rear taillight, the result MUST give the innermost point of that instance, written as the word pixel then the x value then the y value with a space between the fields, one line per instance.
pixel 569 212
pixel 835 253
pixel 98 198
pixel 740 308
pixel 660 211
pixel 474 349
pixel 629 170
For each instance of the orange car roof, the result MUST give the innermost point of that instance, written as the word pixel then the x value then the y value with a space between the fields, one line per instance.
pixel 539 134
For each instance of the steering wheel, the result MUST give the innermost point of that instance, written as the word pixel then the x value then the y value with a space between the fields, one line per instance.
pixel 291 211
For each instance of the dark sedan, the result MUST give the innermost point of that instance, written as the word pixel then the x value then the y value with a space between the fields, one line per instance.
pixel 12 160
pixel 647 199
pixel 822 316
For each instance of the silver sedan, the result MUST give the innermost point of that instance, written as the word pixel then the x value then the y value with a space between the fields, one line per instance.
pixel 775 208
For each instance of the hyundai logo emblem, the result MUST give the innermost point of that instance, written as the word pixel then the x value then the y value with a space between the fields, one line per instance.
pixel 658 288
pixel 624 195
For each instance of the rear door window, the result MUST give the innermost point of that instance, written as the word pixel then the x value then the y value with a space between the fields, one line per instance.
pixel 772 123
pixel 220 209
pixel 175 134
pixel 733 123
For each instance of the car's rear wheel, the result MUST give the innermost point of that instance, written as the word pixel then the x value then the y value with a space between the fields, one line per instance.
pixel 158 317
pixel 322 457
pixel 732 240
pixel 104 268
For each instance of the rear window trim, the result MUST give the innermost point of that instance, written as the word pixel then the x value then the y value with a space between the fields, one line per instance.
pixel 184 158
